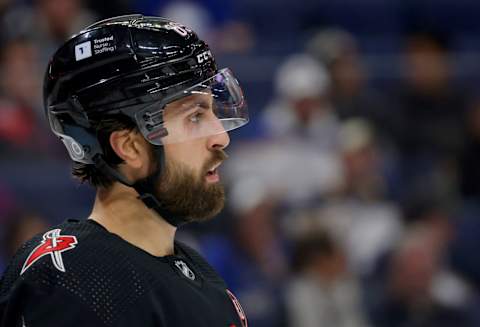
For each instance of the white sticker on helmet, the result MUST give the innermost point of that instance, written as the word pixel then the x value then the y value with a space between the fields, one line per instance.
pixel 83 50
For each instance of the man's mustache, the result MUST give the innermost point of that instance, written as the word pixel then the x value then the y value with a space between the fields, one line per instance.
pixel 218 156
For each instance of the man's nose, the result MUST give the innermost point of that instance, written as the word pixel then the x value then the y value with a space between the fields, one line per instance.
pixel 219 139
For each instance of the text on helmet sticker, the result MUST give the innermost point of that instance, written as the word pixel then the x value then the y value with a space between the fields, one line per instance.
pixel 105 44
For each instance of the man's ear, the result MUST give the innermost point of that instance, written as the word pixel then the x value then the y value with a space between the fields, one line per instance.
pixel 130 147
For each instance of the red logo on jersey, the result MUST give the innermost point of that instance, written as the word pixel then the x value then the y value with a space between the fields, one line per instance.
pixel 53 244
pixel 238 307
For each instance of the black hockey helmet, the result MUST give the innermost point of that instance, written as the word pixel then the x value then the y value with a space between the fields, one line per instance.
pixel 121 66
pixel 134 65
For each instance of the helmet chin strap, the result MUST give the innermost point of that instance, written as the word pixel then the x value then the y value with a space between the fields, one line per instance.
pixel 145 187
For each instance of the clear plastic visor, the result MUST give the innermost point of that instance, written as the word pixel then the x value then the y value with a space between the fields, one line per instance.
pixel 212 107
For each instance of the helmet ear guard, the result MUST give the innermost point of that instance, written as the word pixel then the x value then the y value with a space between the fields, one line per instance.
pixel 80 152
pixel 75 131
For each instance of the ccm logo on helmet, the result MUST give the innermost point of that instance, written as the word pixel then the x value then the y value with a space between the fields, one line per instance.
pixel 204 56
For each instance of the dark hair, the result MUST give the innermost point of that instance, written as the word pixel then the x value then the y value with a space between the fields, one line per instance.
pixel 315 244
pixel 89 173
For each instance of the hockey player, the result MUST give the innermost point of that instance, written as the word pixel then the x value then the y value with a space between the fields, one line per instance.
pixel 144 114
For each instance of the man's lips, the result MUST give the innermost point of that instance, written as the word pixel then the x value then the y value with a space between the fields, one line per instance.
pixel 212 175
pixel 214 168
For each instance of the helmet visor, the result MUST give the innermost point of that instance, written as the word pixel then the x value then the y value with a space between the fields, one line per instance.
pixel 214 106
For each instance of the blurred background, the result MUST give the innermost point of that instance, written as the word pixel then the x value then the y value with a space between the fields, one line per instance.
pixel 353 194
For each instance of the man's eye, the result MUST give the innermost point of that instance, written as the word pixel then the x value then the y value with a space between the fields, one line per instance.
pixel 196 117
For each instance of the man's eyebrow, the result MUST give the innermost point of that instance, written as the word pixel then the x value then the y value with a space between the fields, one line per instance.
pixel 186 105
pixel 190 105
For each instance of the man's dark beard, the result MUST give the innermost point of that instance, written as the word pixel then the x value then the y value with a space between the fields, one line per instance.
pixel 189 196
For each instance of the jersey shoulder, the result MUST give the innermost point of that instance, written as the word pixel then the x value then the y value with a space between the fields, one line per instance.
pixel 81 258
pixel 201 265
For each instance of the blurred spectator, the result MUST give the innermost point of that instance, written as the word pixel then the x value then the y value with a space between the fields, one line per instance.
pixel 302 107
pixel 351 96
pixel 294 172
pixel 192 14
pixel 107 9
pixel 20 62
pixel 253 263
pixel 432 104
pixel 322 291
pixel 469 174
pixel 362 161
pixel 359 216
pixel 463 252
pixel 434 111
pixel 221 11
pixel 30 35
pixel 47 23
pixel 298 163
pixel 212 21
pixel 419 289
pixel 22 126
pixel 61 18
pixel 18 229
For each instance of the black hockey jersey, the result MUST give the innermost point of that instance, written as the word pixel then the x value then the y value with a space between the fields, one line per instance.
pixel 80 275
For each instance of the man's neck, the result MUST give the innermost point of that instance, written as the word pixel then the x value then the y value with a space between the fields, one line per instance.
pixel 120 211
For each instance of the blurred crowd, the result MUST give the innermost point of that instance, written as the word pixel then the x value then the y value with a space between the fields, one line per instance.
pixel 353 194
